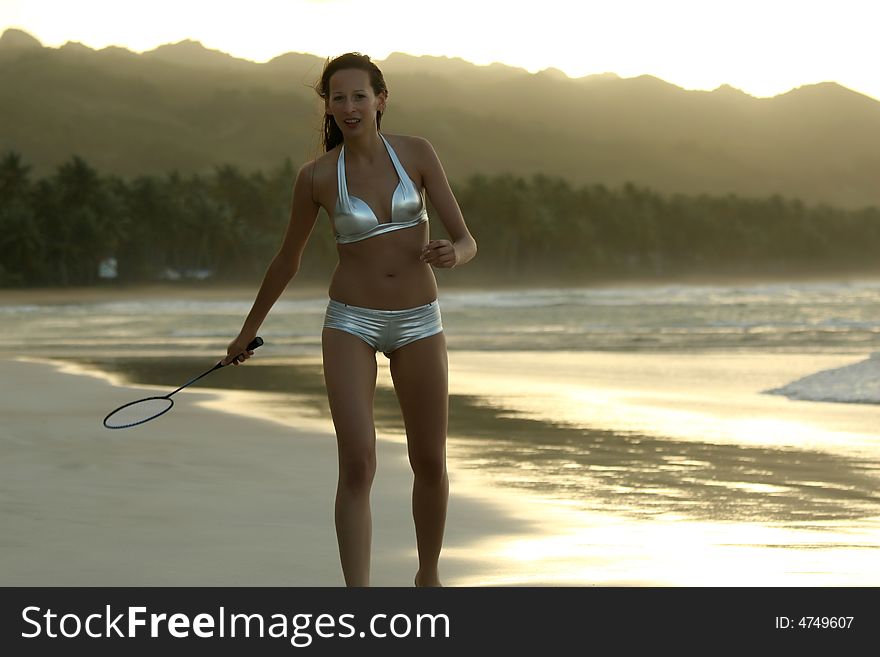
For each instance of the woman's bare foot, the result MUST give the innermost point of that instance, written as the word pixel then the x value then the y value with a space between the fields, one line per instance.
pixel 433 581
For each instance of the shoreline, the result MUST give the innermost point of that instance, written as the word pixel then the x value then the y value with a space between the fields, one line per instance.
pixel 309 289
pixel 102 294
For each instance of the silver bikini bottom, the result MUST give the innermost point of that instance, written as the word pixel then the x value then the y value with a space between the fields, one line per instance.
pixel 385 330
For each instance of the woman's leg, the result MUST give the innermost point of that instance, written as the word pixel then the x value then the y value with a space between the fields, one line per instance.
pixel 420 373
pixel 350 376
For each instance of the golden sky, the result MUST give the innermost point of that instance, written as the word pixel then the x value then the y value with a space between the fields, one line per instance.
pixel 764 47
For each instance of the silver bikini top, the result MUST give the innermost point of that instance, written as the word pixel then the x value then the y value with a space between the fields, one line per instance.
pixel 355 220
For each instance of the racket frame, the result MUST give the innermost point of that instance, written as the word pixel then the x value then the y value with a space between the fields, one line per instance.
pixel 256 342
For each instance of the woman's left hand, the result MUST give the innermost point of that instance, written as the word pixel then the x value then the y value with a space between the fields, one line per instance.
pixel 440 253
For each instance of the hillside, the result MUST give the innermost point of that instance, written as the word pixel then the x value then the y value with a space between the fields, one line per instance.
pixel 184 107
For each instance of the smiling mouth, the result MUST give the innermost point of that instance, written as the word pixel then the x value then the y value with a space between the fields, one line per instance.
pixel 352 121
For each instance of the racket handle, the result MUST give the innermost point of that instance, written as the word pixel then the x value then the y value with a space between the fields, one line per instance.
pixel 256 342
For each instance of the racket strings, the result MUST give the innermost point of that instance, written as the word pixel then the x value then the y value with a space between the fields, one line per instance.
pixel 138 412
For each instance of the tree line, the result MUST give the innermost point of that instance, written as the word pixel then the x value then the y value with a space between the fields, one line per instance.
pixel 227 225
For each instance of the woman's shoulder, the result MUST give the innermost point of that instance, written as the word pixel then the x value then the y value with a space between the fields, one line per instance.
pixel 411 148
pixel 323 164
pixel 324 158
pixel 405 141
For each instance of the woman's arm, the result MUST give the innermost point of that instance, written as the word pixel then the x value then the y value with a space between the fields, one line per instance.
pixel 463 247
pixel 285 264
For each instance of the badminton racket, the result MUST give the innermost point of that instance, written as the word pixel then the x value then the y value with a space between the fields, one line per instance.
pixel 149 408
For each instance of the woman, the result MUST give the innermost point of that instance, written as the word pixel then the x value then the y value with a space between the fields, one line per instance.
pixel 383 297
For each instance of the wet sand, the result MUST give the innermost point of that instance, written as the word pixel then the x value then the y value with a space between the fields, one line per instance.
pixel 675 469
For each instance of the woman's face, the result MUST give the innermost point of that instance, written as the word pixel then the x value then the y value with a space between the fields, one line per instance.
pixel 352 102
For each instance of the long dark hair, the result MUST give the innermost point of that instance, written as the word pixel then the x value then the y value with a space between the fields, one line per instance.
pixel 332 135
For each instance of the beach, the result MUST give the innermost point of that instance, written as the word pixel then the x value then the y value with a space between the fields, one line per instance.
pixel 198 498
pixel 671 464
pixel 211 495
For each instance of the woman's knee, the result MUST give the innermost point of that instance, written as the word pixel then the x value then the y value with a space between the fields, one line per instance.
pixel 356 471
pixel 429 468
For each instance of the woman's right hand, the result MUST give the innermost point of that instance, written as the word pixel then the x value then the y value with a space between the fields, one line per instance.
pixel 238 348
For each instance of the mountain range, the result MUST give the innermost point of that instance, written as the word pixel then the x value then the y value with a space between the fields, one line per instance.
pixel 188 108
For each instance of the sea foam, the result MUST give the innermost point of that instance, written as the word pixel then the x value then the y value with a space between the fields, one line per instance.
pixel 858 383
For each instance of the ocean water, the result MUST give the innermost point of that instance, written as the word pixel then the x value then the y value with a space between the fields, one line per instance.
pixel 819 318
pixel 815 316
pixel 656 433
